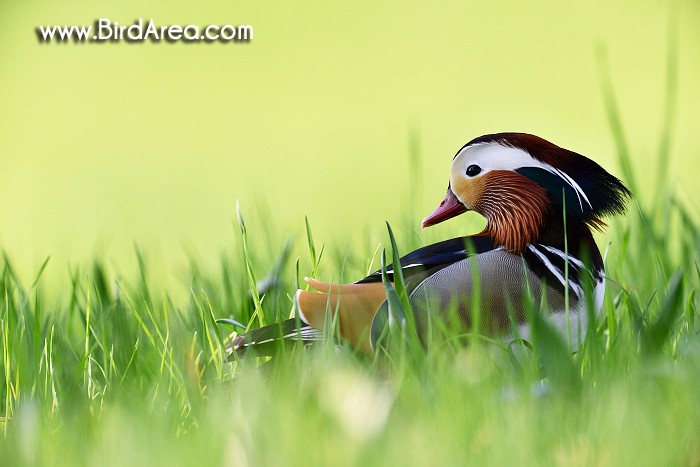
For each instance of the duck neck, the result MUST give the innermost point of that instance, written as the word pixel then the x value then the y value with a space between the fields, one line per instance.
pixel 577 239
pixel 514 230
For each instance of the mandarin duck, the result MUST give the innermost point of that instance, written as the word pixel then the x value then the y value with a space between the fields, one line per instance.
pixel 541 203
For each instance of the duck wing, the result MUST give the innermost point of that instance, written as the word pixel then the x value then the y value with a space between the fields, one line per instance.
pixel 425 261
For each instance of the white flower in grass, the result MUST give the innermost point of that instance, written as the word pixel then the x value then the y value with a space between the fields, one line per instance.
pixel 360 405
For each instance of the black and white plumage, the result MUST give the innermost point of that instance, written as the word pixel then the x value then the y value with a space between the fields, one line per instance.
pixel 541 203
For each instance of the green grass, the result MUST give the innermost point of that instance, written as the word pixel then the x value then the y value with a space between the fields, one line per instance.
pixel 114 372
pixel 118 373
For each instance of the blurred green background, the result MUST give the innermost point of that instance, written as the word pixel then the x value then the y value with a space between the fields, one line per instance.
pixel 104 146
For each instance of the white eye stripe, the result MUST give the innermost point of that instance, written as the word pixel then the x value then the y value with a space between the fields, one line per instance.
pixel 494 156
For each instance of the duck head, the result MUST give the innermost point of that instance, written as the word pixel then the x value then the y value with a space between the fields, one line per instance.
pixel 522 184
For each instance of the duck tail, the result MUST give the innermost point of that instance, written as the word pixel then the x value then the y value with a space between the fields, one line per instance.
pixel 267 340
pixel 350 307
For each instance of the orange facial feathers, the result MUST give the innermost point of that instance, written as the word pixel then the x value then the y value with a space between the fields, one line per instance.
pixel 514 206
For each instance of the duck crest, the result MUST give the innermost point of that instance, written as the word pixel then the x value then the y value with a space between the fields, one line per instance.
pixel 590 192
pixel 558 187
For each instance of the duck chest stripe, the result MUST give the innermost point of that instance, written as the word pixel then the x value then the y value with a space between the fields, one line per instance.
pixel 556 271
pixel 563 255
pixel 576 266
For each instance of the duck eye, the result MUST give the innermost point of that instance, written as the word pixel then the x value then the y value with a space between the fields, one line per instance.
pixel 473 170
